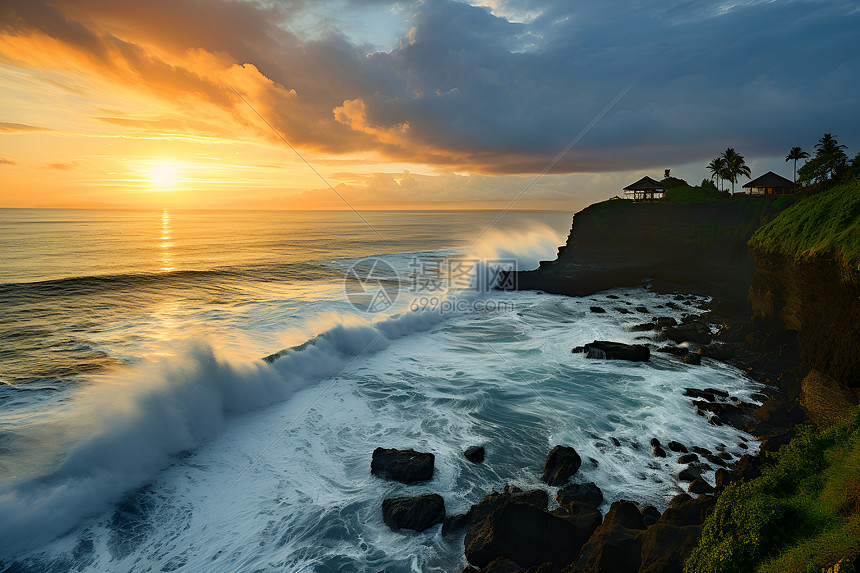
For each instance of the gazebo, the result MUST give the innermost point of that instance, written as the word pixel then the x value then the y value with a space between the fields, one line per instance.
pixel 646 189
pixel 769 184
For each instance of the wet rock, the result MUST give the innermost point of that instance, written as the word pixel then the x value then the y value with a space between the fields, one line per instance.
pixel 689 474
pixel 615 440
pixel 658 452
pixel 578 349
pixel 665 547
pixel 587 493
pixel 779 413
pixel 561 463
pixel 673 350
pixel 687 458
pixel 585 517
pixel 747 467
pixel 418 513
pixel 655 443
pixel 662 322
pixel 701 451
pixel 604 349
pixel 677 447
pixel 522 533
pixel 616 545
pixel 719 351
pixel 613 296
pixel 474 454
pixel 717 392
pixel 405 466
pixel 454 523
pixel 650 515
pixel 696 332
pixel 700 486
pixel 700 394
pixel 597 309
pixel 693 359
pixel 645 327
pixel 773 443
pixel 641 309
pixel 623 310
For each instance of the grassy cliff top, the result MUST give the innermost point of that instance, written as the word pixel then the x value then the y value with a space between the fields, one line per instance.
pixel 825 223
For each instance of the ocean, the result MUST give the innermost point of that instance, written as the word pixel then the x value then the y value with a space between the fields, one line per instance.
pixel 202 390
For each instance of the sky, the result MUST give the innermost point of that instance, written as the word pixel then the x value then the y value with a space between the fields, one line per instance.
pixel 294 104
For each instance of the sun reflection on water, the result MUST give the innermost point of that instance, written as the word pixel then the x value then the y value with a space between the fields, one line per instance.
pixel 165 245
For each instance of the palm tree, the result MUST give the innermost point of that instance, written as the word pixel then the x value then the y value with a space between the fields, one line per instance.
pixel 735 166
pixel 831 153
pixel 796 153
pixel 716 167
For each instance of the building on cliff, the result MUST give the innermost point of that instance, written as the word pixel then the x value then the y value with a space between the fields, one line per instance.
pixel 769 184
pixel 646 189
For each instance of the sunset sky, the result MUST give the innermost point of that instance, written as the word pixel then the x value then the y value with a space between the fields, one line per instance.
pixel 435 104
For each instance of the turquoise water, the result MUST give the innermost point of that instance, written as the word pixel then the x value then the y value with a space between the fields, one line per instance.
pixel 140 429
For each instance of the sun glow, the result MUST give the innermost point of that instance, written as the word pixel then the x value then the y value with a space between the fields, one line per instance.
pixel 164 175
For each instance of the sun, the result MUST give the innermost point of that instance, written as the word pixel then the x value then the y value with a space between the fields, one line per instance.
pixel 164 175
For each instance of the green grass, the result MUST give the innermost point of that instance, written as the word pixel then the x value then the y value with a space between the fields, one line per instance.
pixel 608 210
pixel 693 195
pixel 827 223
pixel 802 514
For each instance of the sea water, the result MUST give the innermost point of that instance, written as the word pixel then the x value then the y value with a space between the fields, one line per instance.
pixel 141 429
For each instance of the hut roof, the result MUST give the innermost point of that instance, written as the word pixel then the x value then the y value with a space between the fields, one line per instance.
pixel 770 179
pixel 644 184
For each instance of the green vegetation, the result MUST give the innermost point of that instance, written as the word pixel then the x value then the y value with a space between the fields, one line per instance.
pixel 828 161
pixel 802 514
pixel 824 223
pixel 694 195
pixel 794 154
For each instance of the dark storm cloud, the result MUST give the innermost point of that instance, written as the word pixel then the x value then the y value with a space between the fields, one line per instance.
pixel 501 91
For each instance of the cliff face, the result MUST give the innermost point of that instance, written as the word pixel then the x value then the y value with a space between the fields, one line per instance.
pixel 699 248
pixel 807 280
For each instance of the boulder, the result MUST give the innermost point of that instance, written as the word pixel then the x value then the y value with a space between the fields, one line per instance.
pixel 686 510
pixel 561 463
pixel 642 309
pixel 700 394
pixel 585 517
pixel 700 486
pixel 693 358
pixel 650 515
pixel 454 523
pixel 645 327
pixel 617 351
pixel 597 309
pixel 688 458
pixel 696 332
pixel 405 466
pixel 616 545
pixel 674 350
pixel 501 565
pixel 522 533
pixel 418 513
pixel 587 493
pixel 662 322
pixel 779 413
pixel 665 547
pixel 578 349
pixel 474 454
pixel 690 474
pixel 677 447
pixel 658 452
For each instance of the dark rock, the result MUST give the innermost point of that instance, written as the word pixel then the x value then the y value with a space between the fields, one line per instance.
pixel 693 359
pixel 587 493
pixel 655 443
pixel 665 547
pixel 561 463
pixel 543 568
pixel 687 458
pixel 454 523
pixel 674 350
pixel 501 565
pixel 474 454
pixel 664 321
pixel 779 413
pixel 716 392
pixel 615 440
pixel 641 309
pixel 597 309
pixel 617 351
pixel 593 463
pixel 687 510
pixel 521 533
pixel 616 545
pixel 716 460
pixel 719 351
pixel 747 467
pixel 701 451
pixel 699 394
pixel 723 477
pixel 658 452
pixel 697 332
pixel 677 447
pixel 773 443
pixel 725 456
pixel 613 296
pixel 578 350
pixel 645 327
pixel 700 486
pixel 623 310
pixel 689 474
pixel 650 515
pixel 585 517
pixel 418 513
pixel 405 466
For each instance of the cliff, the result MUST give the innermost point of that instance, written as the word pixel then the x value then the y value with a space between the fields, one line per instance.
pixel 807 279
pixel 693 247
